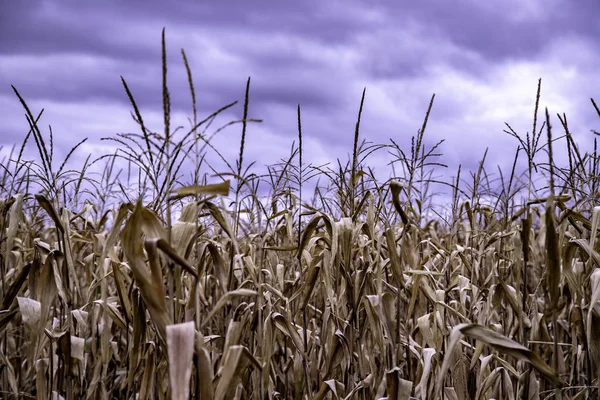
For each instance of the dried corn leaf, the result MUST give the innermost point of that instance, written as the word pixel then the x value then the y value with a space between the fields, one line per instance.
pixel 219 189
pixel 149 283
pixel 180 346
pixel 223 301
pixel 49 208
pixel 236 361
pixel 500 343
pixel 553 270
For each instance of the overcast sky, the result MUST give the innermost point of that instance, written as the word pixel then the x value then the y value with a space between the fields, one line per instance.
pixel 482 59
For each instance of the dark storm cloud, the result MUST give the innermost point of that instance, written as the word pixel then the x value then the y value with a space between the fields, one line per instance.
pixel 43 29
pixel 48 27
pixel 40 27
pixel 499 30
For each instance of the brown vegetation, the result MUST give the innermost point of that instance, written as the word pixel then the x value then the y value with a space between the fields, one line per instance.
pixel 355 294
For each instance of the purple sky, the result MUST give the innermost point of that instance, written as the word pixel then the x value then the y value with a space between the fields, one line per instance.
pixel 482 59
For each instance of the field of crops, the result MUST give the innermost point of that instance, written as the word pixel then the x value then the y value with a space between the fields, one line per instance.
pixel 146 282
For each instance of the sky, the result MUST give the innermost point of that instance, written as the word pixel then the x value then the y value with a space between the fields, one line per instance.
pixel 481 59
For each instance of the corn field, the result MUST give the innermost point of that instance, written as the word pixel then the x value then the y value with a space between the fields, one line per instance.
pixel 234 285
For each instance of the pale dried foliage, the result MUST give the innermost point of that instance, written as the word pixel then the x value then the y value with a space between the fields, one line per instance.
pixel 355 294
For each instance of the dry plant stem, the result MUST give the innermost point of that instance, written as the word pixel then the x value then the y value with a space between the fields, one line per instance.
pixel 306 385
pixel 240 160
pixel 196 182
pixel 530 149
pixel 355 155
pixel 167 134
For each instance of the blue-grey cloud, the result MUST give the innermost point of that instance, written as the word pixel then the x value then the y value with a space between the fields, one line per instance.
pixel 481 59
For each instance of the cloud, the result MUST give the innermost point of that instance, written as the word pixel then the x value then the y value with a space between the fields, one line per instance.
pixel 482 60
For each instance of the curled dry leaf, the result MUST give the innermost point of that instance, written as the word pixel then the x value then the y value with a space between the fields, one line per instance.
pixel 500 343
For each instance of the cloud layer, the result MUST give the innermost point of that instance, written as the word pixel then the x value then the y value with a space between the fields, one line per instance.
pixel 481 59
